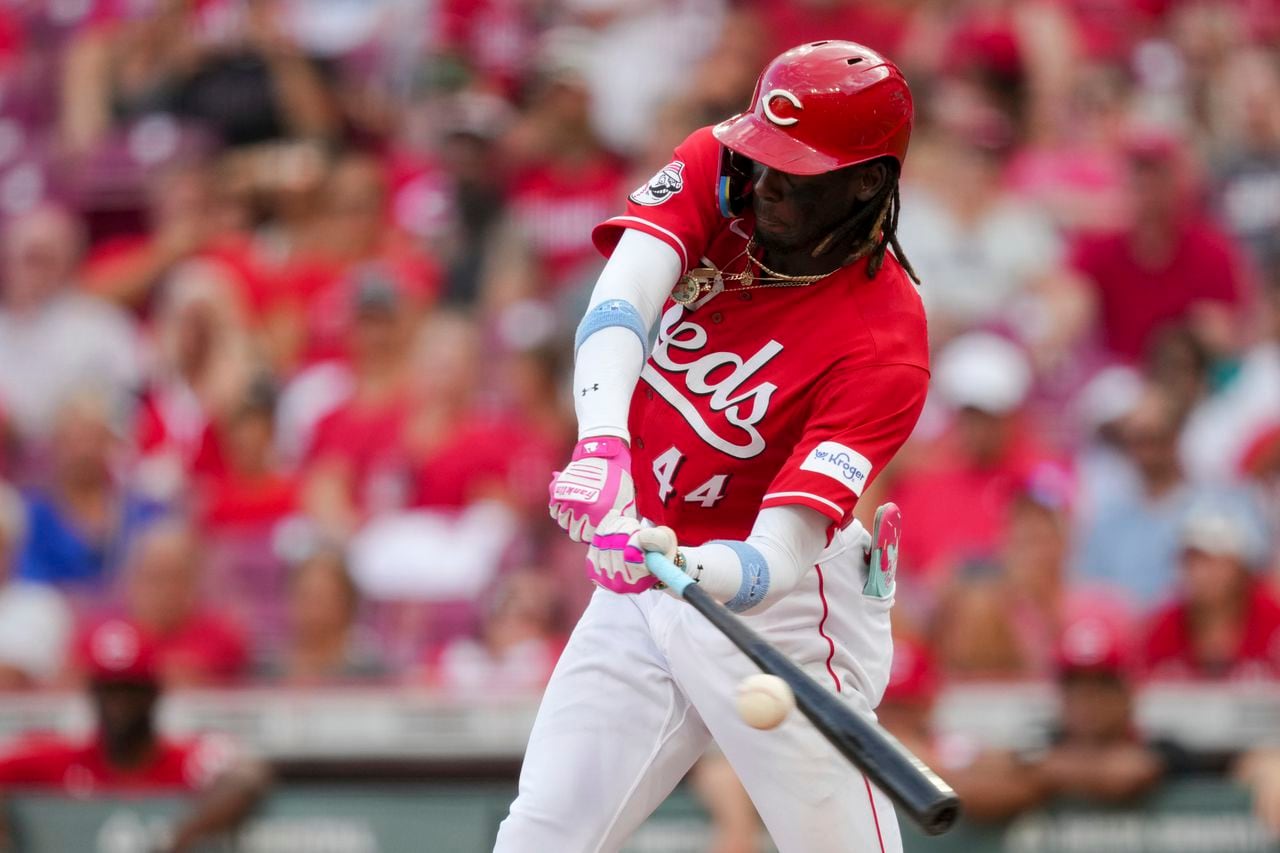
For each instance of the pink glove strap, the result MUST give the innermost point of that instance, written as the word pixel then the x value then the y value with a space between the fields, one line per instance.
pixel 606 446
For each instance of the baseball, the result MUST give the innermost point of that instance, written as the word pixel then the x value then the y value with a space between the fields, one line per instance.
pixel 764 700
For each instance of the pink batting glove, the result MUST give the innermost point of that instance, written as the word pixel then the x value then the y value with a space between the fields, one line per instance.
pixel 596 481
pixel 615 559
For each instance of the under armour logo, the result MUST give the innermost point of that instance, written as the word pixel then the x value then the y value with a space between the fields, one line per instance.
pixel 594 387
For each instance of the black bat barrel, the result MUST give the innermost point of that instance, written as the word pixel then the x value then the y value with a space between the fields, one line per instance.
pixel 914 788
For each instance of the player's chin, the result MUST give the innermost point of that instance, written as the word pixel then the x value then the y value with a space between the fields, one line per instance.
pixel 775 237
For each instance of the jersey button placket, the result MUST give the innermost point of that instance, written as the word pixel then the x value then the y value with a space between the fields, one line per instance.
pixel 717 317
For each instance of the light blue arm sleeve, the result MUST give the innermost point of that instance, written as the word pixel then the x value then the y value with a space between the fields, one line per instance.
pixel 753 575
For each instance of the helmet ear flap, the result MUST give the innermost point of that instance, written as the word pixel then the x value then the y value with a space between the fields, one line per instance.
pixel 733 189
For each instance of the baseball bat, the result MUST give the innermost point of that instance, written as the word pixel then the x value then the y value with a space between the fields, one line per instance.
pixel 913 787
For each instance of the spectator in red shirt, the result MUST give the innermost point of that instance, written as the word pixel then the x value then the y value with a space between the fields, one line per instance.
pixel 355 465
pixel 1009 621
pixel 464 450
pixel 1224 623
pixel 349 239
pixel 563 179
pixel 189 214
pixel 194 644
pixel 494 39
pixel 12 39
pixel 250 492
pixel 1170 266
pixel 980 462
pixel 126 755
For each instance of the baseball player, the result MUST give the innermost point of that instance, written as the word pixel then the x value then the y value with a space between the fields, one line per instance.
pixel 790 364
pixel 126 756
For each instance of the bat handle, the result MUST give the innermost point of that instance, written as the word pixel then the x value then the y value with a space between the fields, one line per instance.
pixel 667 572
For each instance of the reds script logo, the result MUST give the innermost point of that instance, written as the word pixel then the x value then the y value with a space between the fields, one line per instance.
pixel 739 410
pixel 661 186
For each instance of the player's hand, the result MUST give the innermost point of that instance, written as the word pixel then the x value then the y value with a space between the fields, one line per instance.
pixel 660 539
pixel 596 482
pixel 615 559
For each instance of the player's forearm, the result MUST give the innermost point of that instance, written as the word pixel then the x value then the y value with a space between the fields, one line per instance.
pixel 605 372
pixel 613 336
pixel 996 791
pixel 752 575
pixel 1110 776
pixel 224 805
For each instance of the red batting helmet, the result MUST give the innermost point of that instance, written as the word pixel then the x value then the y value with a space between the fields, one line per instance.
pixel 823 106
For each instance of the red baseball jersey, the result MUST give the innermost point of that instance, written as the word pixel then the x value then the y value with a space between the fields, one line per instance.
pixel 766 396
pixel 1169 651
pixel 82 769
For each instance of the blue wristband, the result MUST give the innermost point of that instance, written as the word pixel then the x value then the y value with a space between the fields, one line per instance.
pixel 612 312
pixel 755 575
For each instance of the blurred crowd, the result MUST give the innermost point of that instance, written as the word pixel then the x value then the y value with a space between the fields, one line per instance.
pixel 287 289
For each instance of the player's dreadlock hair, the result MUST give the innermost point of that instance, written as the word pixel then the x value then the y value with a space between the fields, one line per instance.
pixel 873 229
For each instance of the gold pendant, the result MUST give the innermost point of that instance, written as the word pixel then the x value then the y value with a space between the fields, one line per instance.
pixel 693 284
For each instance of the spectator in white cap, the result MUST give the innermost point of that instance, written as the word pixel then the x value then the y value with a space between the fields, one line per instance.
pixel 35 622
pixel 1131 541
pixel 983 372
pixel 979 462
pixel 1224 622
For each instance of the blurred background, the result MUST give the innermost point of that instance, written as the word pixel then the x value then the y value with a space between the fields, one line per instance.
pixel 286 295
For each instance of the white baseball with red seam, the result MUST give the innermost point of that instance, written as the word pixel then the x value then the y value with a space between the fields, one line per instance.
pixel 764 700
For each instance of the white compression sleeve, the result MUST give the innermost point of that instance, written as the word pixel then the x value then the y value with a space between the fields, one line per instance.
pixel 788 539
pixel 640 272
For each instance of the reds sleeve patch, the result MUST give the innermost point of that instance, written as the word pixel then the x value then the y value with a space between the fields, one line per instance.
pixel 662 186
pixel 842 464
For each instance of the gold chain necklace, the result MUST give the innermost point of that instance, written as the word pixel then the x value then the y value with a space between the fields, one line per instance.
pixel 698 282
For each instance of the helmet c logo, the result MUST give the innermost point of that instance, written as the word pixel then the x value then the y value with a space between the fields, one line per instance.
pixel 782 96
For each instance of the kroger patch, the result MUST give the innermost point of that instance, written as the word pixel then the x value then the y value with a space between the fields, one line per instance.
pixel 840 463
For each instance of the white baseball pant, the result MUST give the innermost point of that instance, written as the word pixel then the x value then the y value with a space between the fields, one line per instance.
pixel 643 685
